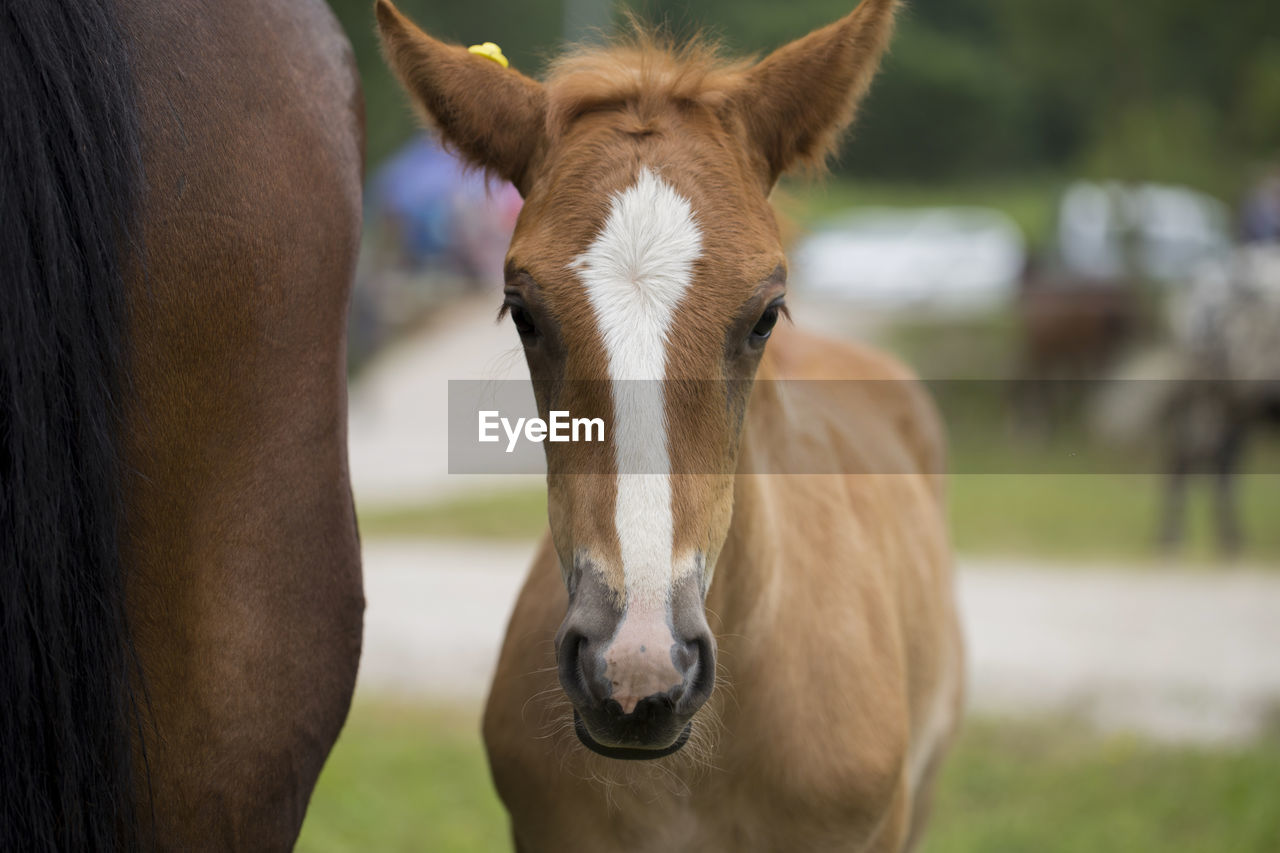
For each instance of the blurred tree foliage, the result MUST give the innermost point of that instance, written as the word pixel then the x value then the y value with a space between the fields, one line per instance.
pixel 1173 90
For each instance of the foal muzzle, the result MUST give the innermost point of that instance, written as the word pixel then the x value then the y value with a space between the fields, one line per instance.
pixel 636 675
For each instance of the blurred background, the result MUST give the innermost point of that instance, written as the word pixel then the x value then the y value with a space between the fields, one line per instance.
pixel 1066 217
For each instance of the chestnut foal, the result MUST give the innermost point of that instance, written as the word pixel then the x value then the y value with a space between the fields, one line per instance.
pixel 647 263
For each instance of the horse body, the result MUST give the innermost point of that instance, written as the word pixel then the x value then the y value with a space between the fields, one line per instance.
pixel 841 674
pixel 240 567
pixel 740 632
pixel 245 590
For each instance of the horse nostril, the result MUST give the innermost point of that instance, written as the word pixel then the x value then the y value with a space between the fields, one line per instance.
pixel 686 657
pixel 573 646
pixel 698 666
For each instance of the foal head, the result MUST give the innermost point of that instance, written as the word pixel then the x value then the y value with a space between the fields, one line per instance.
pixel 644 279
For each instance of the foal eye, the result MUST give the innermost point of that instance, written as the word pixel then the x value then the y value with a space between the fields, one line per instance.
pixel 764 326
pixel 523 321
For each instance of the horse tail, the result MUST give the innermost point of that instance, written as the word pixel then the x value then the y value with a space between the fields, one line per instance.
pixel 70 177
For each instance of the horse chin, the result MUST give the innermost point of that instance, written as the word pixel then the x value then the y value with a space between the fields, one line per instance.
pixel 628 753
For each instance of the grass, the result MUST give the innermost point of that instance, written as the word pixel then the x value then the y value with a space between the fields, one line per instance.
pixel 1029 202
pixel 412 779
pixel 518 515
pixel 978 346
pixel 1058 788
pixel 1099 517
pixel 404 779
pixel 1082 517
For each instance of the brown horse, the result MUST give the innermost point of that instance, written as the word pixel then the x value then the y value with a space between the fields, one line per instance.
pixel 647 251
pixel 1073 331
pixel 182 603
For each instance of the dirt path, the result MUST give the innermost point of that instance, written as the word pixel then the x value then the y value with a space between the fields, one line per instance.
pixel 398 429
pixel 1174 654
pixel 1177 654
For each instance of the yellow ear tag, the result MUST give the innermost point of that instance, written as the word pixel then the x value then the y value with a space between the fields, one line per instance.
pixel 489 50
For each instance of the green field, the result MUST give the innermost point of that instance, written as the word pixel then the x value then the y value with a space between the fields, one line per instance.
pixel 405 779
pixel 1050 787
pixel 511 515
pixel 1029 201
pixel 1055 517
pixel 412 779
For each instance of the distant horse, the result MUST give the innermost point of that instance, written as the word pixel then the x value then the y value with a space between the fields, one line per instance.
pixel 1084 312
pixel 1073 331
pixel 1226 385
pixel 1075 328
pixel 781 643
pixel 180 618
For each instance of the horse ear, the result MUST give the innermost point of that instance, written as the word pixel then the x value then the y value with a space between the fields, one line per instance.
pixel 493 116
pixel 796 101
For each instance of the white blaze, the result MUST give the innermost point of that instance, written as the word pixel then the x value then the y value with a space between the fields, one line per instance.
pixel 636 271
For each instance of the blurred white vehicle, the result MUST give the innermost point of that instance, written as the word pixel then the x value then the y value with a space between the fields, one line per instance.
pixel 1169 231
pixel 950 258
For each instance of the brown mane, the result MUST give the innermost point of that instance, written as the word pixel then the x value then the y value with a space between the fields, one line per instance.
pixel 643 74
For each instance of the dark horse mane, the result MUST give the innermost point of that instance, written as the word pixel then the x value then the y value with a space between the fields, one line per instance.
pixel 70 176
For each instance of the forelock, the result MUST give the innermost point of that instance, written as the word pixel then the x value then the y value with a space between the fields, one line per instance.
pixel 643 74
